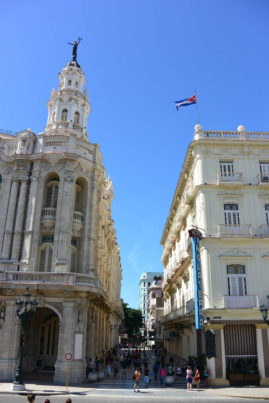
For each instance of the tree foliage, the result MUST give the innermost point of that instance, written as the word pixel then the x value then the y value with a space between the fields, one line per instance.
pixel 132 320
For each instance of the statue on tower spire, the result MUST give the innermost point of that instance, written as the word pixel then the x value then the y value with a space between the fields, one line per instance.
pixel 74 52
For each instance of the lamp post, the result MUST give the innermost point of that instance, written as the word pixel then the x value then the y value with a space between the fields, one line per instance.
pixel 26 307
pixel 264 312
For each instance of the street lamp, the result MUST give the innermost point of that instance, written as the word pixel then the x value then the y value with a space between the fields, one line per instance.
pixel 25 310
pixel 264 312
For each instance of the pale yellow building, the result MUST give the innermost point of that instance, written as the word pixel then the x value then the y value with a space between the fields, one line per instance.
pixel 223 190
pixel 58 238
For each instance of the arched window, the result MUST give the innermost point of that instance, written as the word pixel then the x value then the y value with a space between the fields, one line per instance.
pixel 237 283
pixel 78 198
pixel 74 259
pixel 76 118
pixel 64 115
pixel 266 212
pixel 45 258
pixel 52 193
pixel 69 82
pixel 53 117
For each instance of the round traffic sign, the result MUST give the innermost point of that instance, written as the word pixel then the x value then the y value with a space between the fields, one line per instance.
pixel 68 356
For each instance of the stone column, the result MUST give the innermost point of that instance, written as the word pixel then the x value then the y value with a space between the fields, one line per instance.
pixel 10 220
pixel 5 191
pixel 9 346
pixel 262 340
pixel 90 247
pixel 77 368
pixel 217 365
pixel 64 221
pixel 29 225
pixel 19 222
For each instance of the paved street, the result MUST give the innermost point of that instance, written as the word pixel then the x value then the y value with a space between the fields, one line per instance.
pixel 111 390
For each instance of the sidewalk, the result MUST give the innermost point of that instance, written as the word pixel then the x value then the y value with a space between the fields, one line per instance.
pixel 244 392
pixel 46 390
pixel 247 392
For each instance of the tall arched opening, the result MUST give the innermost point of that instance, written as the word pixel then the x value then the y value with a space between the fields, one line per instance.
pixel 41 343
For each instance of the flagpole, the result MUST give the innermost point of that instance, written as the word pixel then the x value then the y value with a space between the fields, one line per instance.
pixel 197 109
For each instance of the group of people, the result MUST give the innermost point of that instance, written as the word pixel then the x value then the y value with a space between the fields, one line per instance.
pixel 113 361
pixel 31 399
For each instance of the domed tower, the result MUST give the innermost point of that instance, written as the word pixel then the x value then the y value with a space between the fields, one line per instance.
pixel 69 106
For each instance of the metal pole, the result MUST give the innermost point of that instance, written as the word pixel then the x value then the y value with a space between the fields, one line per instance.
pixel 18 383
pixel 67 374
pixel 197 109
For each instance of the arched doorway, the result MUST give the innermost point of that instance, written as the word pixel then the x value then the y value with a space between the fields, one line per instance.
pixel 41 342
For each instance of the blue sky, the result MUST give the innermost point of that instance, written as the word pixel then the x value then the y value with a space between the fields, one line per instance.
pixel 139 56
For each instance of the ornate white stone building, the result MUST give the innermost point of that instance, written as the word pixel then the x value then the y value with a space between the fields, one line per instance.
pixel 57 237
pixel 223 190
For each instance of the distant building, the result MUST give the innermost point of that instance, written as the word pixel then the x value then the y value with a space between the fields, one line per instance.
pixel 155 312
pixel 223 190
pixel 145 282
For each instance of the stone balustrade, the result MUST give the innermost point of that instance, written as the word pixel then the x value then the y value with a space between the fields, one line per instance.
pixel 235 230
pixel 51 278
pixel 233 135
pixel 240 301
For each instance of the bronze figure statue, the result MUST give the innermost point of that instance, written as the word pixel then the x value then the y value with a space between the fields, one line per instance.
pixel 75 47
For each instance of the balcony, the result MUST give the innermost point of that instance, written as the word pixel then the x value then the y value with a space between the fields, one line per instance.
pixel 264 177
pixel 240 301
pixel 77 127
pixel 235 230
pixel 48 216
pixel 263 230
pixel 48 213
pixel 235 177
pixel 179 312
pixel 47 278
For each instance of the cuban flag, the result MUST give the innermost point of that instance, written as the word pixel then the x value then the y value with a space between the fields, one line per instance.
pixel 186 101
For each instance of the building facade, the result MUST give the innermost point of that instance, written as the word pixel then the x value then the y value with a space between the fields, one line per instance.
pixel 155 311
pixel 223 190
pixel 57 237
pixel 146 279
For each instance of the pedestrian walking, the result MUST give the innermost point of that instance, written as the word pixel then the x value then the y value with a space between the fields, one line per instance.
pixel 136 380
pixel 108 370
pixel 46 401
pixel 146 377
pixel 162 375
pixel 155 370
pixel 206 375
pixel 189 378
pixel 31 398
pixel 197 378
pixel 178 371
pixel 123 371
pixel 115 368
pixel 68 400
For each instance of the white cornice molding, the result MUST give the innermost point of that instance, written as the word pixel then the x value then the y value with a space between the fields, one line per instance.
pixel 237 254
